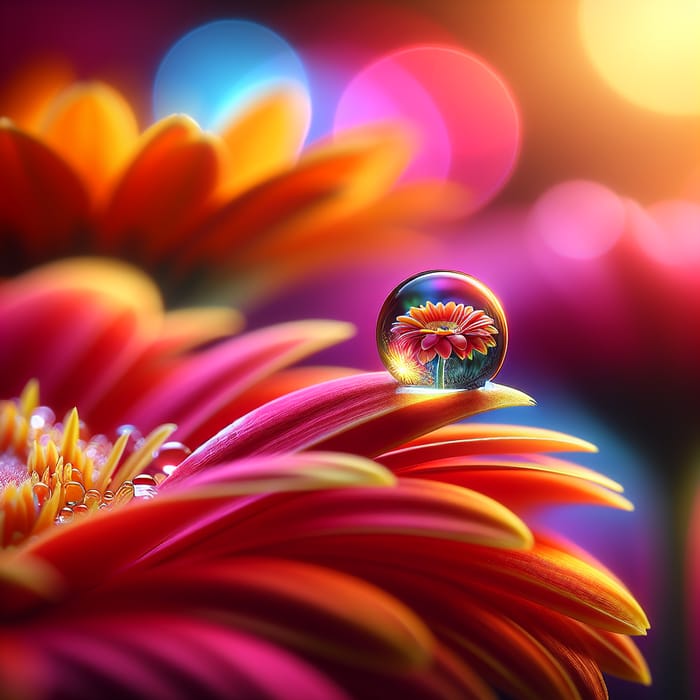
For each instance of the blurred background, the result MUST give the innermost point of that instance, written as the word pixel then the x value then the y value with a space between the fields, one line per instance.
pixel 574 129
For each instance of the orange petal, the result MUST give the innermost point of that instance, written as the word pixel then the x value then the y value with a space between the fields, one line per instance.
pixel 163 191
pixel 328 182
pixel 31 91
pixel 527 489
pixel 482 439
pixel 265 139
pixel 531 461
pixel 42 203
pixel 94 129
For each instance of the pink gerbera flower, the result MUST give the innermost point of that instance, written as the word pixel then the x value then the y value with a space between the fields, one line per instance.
pixel 341 540
pixel 443 329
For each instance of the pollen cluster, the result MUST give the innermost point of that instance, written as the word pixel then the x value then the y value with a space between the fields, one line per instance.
pixel 52 472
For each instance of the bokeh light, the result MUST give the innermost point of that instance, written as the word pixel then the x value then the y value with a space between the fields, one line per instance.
pixel 670 232
pixel 462 114
pixel 647 50
pixel 579 219
pixel 216 70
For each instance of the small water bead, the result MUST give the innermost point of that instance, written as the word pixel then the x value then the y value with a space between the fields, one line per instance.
pixel 135 437
pixel 123 494
pixel 92 498
pixel 442 330
pixel 145 486
pixel 74 492
pixel 42 417
pixel 98 448
pixel 42 493
pixel 168 457
pixel 65 515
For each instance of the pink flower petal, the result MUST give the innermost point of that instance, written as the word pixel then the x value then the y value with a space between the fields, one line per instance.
pixel 429 341
pixel 365 414
pixel 200 387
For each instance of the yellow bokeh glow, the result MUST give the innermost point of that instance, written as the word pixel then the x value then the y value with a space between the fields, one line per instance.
pixel 647 50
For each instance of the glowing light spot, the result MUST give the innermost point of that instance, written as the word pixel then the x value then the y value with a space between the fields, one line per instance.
pixel 580 220
pixel 402 366
pixel 218 69
pixel 462 114
pixel 647 50
pixel 668 232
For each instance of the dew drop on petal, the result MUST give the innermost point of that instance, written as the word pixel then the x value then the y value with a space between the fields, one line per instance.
pixel 167 458
pixel 74 492
pixel 442 330
pixel 42 493
pixel 135 437
pixel 42 417
pixel 65 515
pixel 145 487
pixel 92 498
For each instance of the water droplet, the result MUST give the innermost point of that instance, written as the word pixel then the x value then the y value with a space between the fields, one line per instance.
pixel 73 492
pixel 42 417
pixel 135 437
pixel 98 449
pixel 65 515
pixel 42 493
pixel 169 456
pixel 124 493
pixel 92 498
pixel 442 330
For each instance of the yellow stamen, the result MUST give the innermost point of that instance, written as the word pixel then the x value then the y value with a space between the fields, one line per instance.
pixel 50 474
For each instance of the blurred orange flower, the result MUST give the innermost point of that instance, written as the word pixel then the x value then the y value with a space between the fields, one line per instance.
pixel 240 207
pixel 341 539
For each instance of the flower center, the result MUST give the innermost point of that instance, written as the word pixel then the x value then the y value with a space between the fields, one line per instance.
pixel 441 327
pixel 52 472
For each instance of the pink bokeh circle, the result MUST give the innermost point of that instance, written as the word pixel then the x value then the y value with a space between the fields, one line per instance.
pixel 461 113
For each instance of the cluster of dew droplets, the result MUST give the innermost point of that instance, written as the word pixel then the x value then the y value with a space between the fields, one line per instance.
pixel 54 471
pixel 159 460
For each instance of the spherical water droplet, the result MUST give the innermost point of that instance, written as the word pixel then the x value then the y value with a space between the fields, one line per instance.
pixel 135 437
pixel 92 498
pixel 169 456
pixel 42 417
pixel 442 330
pixel 145 486
pixel 65 515
pixel 42 493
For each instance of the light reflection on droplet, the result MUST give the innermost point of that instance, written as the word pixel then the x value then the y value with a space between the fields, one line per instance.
pixel 168 457
pixel 41 417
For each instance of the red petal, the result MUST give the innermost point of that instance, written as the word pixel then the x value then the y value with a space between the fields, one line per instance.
pixel 429 341
pixel 42 202
pixel 443 348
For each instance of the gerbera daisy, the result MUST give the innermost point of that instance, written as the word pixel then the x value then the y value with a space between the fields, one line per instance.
pixel 343 540
pixel 240 207
pixel 443 329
